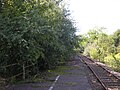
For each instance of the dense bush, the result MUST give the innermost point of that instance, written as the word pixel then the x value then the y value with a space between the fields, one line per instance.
pixel 113 61
pixel 103 47
pixel 34 32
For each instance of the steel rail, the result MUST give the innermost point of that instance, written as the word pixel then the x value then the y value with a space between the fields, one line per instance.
pixel 103 68
pixel 95 75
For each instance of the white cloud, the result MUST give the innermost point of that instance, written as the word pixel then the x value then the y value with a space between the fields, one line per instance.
pixel 91 13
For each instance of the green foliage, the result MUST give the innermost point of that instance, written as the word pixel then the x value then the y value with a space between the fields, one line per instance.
pixel 82 43
pixel 94 53
pixel 105 48
pixel 36 33
pixel 116 37
pixel 113 61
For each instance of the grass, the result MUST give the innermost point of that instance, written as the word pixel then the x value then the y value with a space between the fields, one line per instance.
pixel 46 76
pixel 71 83
pixel 60 70
pixel 40 86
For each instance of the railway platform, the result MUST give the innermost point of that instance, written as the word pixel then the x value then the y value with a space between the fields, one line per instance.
pixel 79 77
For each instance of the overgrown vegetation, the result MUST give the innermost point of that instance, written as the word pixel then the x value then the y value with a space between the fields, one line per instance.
pixel 34 35
pixel 105 48
pixel 38 35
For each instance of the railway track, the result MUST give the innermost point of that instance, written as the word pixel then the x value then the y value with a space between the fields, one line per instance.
pixel 108 80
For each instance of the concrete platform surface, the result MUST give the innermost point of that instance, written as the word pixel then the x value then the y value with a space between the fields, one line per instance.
pixel 74 79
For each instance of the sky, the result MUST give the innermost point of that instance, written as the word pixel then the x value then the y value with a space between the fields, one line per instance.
pixel 95 13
